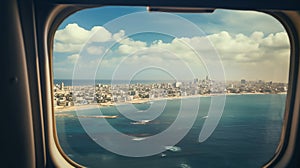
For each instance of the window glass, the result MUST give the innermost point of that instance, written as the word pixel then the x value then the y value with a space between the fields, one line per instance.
pixel 134 88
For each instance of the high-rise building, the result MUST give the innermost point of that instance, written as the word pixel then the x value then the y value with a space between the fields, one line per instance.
pixel 62 86
pixel 178 84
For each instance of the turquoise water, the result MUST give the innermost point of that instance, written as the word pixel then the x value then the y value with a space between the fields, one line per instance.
pixel 246 136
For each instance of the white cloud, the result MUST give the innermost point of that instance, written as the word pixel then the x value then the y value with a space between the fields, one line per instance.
pixel 278 40
pixel 100 34
pixel 257 36
pixel 127 49
pixel 67 47
pixel 95 50
pixel 73 37
pixel 73 58
pixel 242 56
pixel 256 54
pixel 239 48
pixel 73 34
pixel 118 36
pixel 255 48
pixel 129 46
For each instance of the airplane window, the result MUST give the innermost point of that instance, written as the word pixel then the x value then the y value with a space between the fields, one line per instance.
pixel 140 88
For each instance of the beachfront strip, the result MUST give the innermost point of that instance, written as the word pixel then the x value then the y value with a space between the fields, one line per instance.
pixel 110 94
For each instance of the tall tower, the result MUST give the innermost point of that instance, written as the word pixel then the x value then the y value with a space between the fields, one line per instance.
pixel 243 81
pixel 62 86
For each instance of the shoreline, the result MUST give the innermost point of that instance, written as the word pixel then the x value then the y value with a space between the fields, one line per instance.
pixel 59 109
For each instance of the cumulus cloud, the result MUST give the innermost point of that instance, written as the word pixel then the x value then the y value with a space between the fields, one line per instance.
pixel 73 58
pixel 100 34
pixel 95 50
pixel 241 54
pixel 73 37
pixel 254 48
pixel 73 34
pixel 119 36
pixel 129 46
pixel 66 47
pixel 278 40
pixel 240 48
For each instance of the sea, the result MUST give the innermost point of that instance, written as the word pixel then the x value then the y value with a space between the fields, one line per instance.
pixel 247 135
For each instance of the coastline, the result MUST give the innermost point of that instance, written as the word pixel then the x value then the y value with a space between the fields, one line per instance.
pixel 59 109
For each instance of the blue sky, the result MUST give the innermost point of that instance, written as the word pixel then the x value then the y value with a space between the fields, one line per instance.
pixel 121 42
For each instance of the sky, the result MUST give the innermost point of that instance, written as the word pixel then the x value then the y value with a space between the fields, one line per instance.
pixel 130 43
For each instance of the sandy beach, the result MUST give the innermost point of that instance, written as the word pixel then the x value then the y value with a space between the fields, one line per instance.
pixel 58 109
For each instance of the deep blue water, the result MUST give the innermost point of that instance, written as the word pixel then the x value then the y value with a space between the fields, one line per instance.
pixel 247 135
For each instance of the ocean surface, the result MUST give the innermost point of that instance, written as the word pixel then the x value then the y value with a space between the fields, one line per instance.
pixel 247 135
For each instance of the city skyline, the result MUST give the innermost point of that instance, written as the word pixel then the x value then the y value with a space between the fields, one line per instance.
pixel 108 94
pixel 164 80
pixel 88 47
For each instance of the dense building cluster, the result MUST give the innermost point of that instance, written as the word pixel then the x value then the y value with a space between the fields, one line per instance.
pixel 115 93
